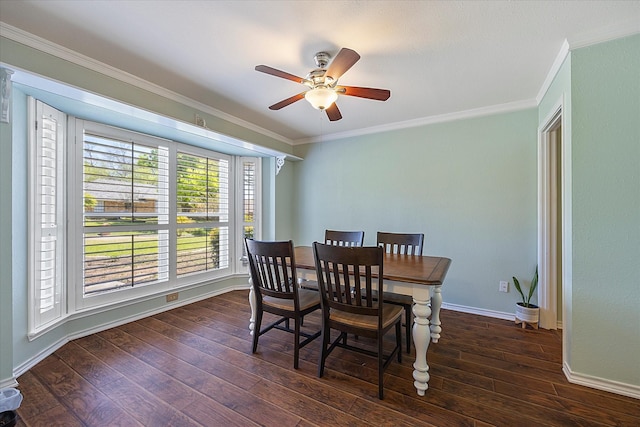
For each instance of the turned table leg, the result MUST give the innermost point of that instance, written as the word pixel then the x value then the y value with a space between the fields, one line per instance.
pixel 252 303
pixel 421 338
pixel 436 303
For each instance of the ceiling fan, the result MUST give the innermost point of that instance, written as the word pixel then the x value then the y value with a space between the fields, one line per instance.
pixel 323 83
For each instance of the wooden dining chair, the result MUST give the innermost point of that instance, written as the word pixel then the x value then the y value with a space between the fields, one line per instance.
pixel 360 269
pixel 408 244
pixel 343 238
pixel 336 238
pixel 273 277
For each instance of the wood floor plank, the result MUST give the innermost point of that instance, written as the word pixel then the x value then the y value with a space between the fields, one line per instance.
pixel 210 413
pixel 58 416
pixel 155 381
pixel 216 388
pixel 598 399
pixel 605 415
pixel 86 365
pixel 39 399
pixel 536 414
pixel 197 352
pixel 193 366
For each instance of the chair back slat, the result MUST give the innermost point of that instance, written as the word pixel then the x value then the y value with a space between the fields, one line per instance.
pixel 343 238
pixel 401 243
pixel 347 273
pixel 273 270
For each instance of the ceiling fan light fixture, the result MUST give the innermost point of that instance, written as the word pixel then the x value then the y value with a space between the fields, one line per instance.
pixel 321 97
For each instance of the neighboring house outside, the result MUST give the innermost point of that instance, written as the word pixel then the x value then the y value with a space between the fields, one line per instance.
pixel 113 196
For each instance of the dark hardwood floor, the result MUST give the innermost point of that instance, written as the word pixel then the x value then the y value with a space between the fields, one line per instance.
pixel 193 366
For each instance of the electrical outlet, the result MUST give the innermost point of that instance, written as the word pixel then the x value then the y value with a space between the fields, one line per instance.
pixel 504 286
pixel 172 297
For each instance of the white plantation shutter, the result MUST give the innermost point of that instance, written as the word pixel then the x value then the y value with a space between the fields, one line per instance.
pixel 46 210
pixel 248 206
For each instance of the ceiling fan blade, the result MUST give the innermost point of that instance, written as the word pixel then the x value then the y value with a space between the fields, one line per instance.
pixel 364 92
pixel 342 62
pixel 278 73
pixel 288 101
pixel 333 113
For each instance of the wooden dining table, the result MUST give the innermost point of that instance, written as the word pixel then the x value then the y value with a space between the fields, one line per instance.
pixel 419 276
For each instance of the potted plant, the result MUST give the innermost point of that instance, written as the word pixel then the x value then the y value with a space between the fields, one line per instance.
pixel 525 311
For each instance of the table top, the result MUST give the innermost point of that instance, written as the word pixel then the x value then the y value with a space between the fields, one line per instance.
pixel 425 270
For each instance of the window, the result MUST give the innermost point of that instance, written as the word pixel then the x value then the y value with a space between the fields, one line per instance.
pixel 125 240
pixel 120 215
pixel 202 203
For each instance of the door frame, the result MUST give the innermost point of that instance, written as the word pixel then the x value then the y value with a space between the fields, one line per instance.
pixel 548 238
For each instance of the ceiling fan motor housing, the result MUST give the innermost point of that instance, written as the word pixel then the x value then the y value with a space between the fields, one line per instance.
pixel 322 59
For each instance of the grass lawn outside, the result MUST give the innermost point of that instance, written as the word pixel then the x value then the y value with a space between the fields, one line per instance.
pixel 117 245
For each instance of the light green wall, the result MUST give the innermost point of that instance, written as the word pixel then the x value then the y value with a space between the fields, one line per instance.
pixel 469 186
pixel 605 85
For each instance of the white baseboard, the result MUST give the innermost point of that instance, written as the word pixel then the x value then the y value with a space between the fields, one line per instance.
pixel 37 358
pixel 8 382
pixel 616 387
pixel 479 311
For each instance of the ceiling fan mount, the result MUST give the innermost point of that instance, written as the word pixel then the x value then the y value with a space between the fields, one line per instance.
pixel 322 59
pixel 318 78
pixel 323 83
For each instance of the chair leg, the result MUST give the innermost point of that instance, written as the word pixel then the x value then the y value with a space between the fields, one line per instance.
pixel 381 367
pixel 325 342
pixel 296 344
pixel 399 340
pixel 408 325
pixel 256 331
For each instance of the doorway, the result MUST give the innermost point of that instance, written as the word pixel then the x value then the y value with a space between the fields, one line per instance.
pixel 550 232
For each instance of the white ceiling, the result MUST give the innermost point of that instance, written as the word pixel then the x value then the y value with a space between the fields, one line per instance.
pixel 436 57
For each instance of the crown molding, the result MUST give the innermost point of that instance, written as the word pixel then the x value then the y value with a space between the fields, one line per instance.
pixel 605 34
pixel 76 58
pixel 553 71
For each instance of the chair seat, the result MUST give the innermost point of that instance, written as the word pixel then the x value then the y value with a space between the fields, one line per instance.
pixel 307 298
pixel 390 314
